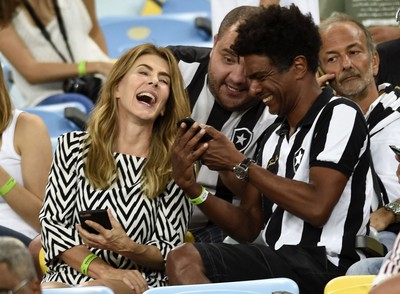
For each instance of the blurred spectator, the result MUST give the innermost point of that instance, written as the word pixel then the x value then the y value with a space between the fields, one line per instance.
pixel 39 69
pixel 25 159
pixel 16 267
pixel 377 15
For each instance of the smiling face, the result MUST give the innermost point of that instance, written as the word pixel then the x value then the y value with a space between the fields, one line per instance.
pixel 144 90
pixel 226 77
pixel 344 52
pixel 274 88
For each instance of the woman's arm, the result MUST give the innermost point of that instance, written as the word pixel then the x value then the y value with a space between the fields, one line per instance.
pixel 32 142
pixel 96 33
pixel 16 52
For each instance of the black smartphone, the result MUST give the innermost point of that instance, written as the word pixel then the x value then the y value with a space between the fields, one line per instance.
pixel 189 122
pixel 322 73
pixel 395 149
pixel 99 216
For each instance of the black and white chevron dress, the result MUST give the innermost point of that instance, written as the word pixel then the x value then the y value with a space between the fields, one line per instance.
pixel 161 222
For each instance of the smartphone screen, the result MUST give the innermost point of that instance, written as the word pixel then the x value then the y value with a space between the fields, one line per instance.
pixel 99 216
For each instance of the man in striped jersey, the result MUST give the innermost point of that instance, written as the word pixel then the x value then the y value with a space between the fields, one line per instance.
pixel 219 97
pixel 312 185
pixel 350 59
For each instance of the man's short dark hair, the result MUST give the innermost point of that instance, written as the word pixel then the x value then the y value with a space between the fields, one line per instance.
pixel 281 34
pixel 234 16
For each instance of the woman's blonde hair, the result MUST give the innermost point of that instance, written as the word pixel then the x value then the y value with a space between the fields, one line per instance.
pixel 100 168
pixel 5 104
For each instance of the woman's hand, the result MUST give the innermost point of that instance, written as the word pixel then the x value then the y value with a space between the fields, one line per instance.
pixel 185 152
pixel 115 240
pixel 132 278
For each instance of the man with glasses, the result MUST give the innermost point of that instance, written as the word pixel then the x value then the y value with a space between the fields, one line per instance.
pixel 17 272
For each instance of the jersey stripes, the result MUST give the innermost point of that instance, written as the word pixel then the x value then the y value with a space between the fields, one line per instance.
pixel 333 134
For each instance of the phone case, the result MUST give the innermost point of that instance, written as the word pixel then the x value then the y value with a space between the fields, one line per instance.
pixel 99 216
pixel 189 122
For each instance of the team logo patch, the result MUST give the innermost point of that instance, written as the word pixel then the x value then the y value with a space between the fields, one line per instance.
pixel 298 156
pixel 242 138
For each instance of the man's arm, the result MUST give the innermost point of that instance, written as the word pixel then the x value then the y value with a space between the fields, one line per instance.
pixel 312 201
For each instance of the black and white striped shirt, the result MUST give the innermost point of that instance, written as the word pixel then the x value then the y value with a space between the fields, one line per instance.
pixel 243 128
pixel 333 134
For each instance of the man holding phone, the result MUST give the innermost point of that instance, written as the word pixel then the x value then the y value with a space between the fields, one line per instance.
pixel 218 91
pixel 349 56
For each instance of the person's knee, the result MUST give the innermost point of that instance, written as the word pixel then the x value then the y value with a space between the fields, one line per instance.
pixel 180 260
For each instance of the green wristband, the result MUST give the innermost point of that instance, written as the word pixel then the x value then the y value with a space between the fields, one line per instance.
pixel 7 186
pixel 201 198
pixel 85 264
pixel 82 68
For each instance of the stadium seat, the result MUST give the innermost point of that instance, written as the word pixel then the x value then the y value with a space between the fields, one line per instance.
pixel 125 32
pixel 55 120
pixel 273 285
pixel 119 7
pixel 179 6
pixel 42 262
pixel 79 290
pixel 349 285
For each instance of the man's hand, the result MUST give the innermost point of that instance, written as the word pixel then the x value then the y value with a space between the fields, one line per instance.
pixel 221 154
pixel 381 219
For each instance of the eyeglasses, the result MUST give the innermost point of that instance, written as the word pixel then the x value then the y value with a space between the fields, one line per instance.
pixel 21 285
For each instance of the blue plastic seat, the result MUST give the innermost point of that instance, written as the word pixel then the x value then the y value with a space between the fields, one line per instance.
pixel 179 6
pixel 249 287
pixel 79 290
pixel 124 32
pixel 53 117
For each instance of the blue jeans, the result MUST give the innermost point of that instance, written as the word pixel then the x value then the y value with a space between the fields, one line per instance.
pixel 371 265
pixel 367 266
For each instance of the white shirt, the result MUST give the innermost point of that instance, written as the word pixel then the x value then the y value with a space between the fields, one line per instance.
pixel 10 161
pixel 77 24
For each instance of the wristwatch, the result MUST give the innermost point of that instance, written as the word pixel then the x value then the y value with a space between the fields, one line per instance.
pixel 241 170
pixel 395 208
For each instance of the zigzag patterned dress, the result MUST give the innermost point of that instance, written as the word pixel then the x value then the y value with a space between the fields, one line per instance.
pixel 161 222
